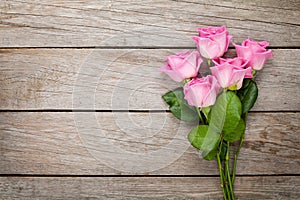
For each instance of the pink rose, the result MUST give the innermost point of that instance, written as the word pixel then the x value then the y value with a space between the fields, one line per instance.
pixel 183 65
pixel 201 92
pixel 212 42
pixel 255 52
pixel 231 72
pixel 238 62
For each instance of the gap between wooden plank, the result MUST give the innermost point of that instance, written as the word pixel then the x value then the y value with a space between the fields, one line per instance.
pixel 97 79
pixel 126 144
pixel 246 188
pixel 145 176
pixel 130 111
pixel 133 24
pixel 132 47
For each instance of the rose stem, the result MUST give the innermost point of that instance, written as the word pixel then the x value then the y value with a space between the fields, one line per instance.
pixel 200 116
pixel 221 176
pixel 235 159
pixel 238 151
pixel 228 170
pixel 225 176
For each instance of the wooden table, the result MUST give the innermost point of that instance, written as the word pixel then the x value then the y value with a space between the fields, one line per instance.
pixel 81 109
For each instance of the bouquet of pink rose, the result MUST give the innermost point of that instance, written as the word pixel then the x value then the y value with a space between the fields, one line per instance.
pixel 217 93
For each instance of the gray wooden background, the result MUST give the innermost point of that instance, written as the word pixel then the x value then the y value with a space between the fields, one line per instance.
pixel 81 110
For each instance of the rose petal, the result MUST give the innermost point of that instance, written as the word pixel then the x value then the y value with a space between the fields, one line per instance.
pixel 237 77
pixel 211 96
pixel 190 65
pixel 208 48
pixel 259 59
pixel 223 74
pixel 172 74
pixel 243 51
pixel 220 39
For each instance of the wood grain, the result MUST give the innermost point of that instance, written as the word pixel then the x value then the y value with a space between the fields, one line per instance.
pixel 87 143
pixel 85 154
pixel 44 23
pixel 125 79
pixel 146 188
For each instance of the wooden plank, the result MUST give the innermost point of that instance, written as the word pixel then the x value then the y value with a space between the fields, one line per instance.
pixel 136 143
pixel 146 188
pixel 40 23
pixel 125 79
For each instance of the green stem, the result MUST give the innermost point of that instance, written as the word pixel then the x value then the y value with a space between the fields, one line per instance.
pixel 220 147
pixel 238 151
pixel 228 171
pixel 246 117
pixel 236 157
pixel 225 174
pixel 221 176
pixel 209 62
pixel 200 116
pixel 185 81
pixel 226 184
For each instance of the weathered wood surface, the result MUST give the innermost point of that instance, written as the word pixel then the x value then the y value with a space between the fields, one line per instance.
pixel 44 23
pixel 84 143
pixel 37 147
pixel 277 187
pixel 120 80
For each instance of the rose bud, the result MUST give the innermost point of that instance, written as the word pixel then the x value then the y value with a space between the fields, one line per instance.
pixel 201 92
pixel 183 65
pixel 230 73
pixel 238 62
pixel 255 52
pixel 212 42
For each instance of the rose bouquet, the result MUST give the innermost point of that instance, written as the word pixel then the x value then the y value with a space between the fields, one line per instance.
pixel 217 93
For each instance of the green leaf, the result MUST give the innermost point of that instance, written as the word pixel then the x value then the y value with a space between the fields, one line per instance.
pixel 210 155
pixel 197 135
pixel 233 113
pixel 246 82
pixel 248 94
pixel 237 133
pixel 201 138
pixel 226 113
pixel 179 106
